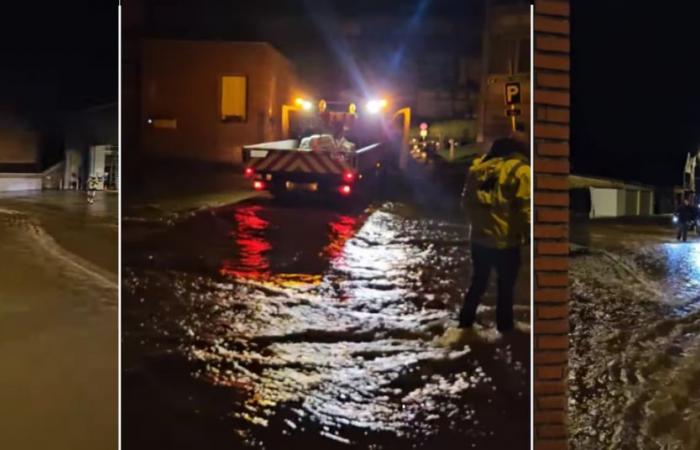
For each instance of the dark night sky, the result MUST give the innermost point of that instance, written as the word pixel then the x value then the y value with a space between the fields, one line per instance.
pixel 635 89
pixel 57 57
pixel 268 20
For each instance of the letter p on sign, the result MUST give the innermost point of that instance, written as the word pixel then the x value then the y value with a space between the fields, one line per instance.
pixel 512 93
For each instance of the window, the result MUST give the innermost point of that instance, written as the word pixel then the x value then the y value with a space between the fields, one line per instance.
pixel 233 98
pixel 524 56
pixel 502 55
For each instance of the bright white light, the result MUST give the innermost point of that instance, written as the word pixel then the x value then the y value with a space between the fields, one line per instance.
pixel 306 105
pixel 375 106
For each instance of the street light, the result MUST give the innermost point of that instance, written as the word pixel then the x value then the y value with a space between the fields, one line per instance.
pixel 300 104
pixel 403 154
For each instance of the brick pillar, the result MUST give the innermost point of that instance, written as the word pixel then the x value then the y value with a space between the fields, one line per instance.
pixel 551 235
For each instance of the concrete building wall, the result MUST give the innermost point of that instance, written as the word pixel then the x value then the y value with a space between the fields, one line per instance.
pixel 506 58
pixel 604 202
pixel 181 84
pixel 620 202
pixel 95 127
pixel 19 156
pixel 52 178
pixel 19 182
pixel 495 124
pixel 646 203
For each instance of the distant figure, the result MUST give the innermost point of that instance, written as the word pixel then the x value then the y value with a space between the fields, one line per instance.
pixel 496 198
pixel 686 214
pixel 91 189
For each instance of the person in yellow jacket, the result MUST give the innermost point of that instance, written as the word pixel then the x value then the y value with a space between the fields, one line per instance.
pixel 496 198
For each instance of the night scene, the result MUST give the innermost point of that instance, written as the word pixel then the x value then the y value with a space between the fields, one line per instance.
pixel 58 226
pixel 635 262
pixel 300 179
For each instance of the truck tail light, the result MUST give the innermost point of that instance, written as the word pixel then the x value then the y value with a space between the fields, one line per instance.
pixel 345 190
pixel 348 177
pixel 259 185
pixel 249 172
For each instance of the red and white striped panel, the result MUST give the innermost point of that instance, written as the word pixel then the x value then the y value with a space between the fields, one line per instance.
pixel 305 162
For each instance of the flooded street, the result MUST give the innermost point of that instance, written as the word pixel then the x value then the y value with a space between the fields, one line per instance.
pixel 264 325
pixel 58 331
pixel 635 367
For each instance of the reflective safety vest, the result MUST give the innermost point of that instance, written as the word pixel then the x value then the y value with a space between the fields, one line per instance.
pixel 496 197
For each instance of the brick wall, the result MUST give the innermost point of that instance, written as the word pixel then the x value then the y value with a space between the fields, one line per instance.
pixel 551 82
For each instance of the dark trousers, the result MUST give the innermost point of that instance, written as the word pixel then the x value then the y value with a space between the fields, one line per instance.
pixel 507 263
pixel 682 231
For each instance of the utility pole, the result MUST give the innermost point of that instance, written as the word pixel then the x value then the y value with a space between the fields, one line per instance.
pixel 512 107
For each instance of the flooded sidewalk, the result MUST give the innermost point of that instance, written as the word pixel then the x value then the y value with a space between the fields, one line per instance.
pixel 635 364
pixel 58 326
pixel 264 325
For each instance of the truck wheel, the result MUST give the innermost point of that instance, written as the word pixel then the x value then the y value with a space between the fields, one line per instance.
pixel 379 183
pixel 278 191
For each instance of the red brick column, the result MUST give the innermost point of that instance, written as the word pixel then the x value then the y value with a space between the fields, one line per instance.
pixel 551 215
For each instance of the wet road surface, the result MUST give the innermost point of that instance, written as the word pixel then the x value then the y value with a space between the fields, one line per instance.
pixel 635 367
pixel 266 326
pixel 58 322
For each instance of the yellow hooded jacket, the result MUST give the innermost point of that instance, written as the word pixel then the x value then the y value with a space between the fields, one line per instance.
pixel 497 200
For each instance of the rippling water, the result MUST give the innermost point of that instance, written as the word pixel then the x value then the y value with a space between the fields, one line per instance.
pixel 58 338
pixel 636 347
pixel 344 339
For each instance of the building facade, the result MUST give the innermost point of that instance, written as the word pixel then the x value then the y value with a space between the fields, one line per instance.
pixel 505 61
pixel 19 155
pixel 91 148
pixel 597 197
pixel 204 100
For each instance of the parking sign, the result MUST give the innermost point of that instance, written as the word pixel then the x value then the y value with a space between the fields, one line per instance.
pixel 512 93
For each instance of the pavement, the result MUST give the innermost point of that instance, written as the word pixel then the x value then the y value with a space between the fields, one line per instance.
pixel 158 198
pixel 635 346
pixel 58 321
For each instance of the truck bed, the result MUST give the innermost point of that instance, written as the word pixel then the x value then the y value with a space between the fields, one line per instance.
pixel 286 156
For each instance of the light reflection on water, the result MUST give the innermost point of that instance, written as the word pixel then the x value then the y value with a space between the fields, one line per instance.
pixel 635 346
pixel 352 351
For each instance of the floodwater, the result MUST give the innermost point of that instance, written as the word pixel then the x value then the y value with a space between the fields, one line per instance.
pixel 58 324
pixel 264 325
pixel 635 368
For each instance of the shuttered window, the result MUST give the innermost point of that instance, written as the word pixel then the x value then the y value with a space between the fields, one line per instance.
pixel 233 97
